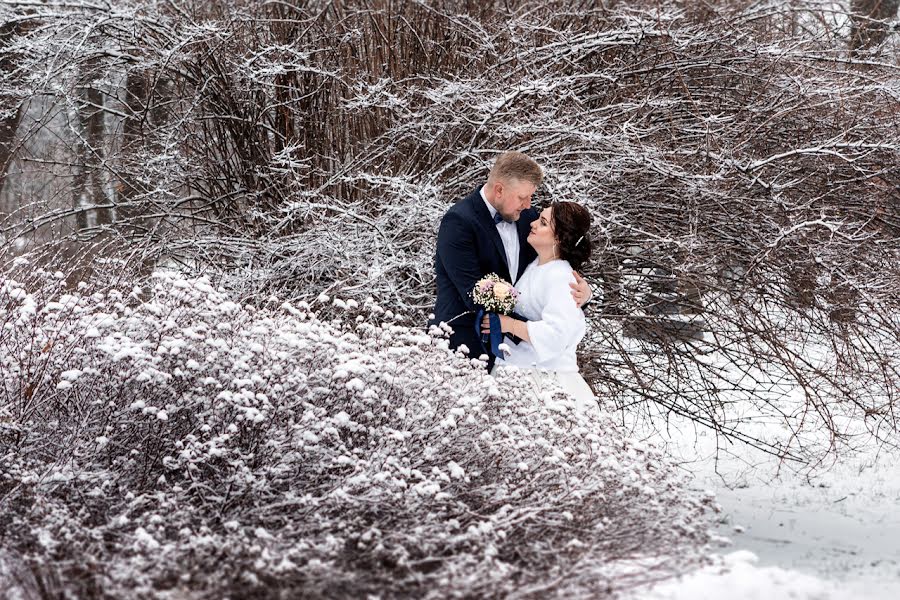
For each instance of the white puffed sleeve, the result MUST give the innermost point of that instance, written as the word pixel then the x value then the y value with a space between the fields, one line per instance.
pixel 562 323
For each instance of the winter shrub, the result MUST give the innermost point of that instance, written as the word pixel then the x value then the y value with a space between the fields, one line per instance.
pixel 162 441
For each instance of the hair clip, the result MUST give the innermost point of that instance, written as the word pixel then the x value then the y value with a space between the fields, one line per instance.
pixel 579 240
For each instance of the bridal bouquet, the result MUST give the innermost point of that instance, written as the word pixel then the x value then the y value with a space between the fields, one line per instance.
pixel 495 295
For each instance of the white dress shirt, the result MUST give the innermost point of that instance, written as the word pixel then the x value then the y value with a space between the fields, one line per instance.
pixel 509 235
pixel 555 323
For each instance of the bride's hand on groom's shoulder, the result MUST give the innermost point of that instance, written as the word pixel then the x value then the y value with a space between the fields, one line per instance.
pixel 581 291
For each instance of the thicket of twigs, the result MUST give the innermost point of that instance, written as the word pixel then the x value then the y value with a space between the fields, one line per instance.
pixel 164 441
pixel 740 159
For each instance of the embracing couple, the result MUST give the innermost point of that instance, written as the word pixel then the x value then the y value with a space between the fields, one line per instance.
pixel 494 230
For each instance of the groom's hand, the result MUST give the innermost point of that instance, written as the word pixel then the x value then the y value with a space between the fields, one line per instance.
pixel 581 291
pixel 485 324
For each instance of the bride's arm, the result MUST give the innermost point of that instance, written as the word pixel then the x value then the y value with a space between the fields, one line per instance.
pixel 561 320
pixel 514 327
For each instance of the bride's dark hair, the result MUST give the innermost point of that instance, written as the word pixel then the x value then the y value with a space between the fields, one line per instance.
pixel 571 223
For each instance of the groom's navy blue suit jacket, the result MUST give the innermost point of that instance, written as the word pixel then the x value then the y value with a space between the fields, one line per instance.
pixel 468 248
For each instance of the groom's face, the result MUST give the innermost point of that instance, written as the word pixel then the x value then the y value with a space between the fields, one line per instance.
pixel 512 197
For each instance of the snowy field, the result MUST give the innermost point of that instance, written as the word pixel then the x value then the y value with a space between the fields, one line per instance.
pixel 829 533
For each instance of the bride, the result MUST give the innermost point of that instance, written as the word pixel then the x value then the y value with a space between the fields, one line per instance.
pixel 554 323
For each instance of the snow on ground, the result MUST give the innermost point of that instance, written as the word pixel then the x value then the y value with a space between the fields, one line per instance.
pixel 735 576
pixel 830 533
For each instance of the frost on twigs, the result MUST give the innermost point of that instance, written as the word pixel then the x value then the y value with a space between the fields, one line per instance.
pixel 203 448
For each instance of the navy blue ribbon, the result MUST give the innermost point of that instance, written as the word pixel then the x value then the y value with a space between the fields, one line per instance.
pixel 494 338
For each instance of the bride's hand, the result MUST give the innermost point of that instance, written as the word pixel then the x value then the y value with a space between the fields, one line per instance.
pixel 504 324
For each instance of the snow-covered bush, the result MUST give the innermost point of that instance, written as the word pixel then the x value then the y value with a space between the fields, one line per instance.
pixel 161 440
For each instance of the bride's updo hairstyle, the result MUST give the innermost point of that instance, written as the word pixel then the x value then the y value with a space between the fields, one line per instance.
pixel 571 223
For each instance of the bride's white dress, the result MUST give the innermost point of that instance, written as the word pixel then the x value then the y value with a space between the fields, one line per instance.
pixel 555 326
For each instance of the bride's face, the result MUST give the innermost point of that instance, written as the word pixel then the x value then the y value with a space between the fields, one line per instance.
pixel 542 236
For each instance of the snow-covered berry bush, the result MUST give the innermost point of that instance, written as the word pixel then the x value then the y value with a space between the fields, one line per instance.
pixel 159 440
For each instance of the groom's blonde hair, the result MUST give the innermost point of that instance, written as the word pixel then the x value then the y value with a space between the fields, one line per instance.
pixel 515 165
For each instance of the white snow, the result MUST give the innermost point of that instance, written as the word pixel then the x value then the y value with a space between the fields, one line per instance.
pixel 827 532
pixel 145 539
pixel 456 471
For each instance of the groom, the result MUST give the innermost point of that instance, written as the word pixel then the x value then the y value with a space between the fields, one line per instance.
pixel 485 233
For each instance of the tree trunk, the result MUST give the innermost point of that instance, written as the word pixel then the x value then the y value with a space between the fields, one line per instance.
pixel 147 110
pixel 95 130
pixel 12 116
pixel 87 186
pixel 136 101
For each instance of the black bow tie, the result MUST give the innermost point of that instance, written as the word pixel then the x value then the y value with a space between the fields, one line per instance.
pixel 498 218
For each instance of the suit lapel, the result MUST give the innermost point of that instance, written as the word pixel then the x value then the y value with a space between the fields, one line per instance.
pixel 484 219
